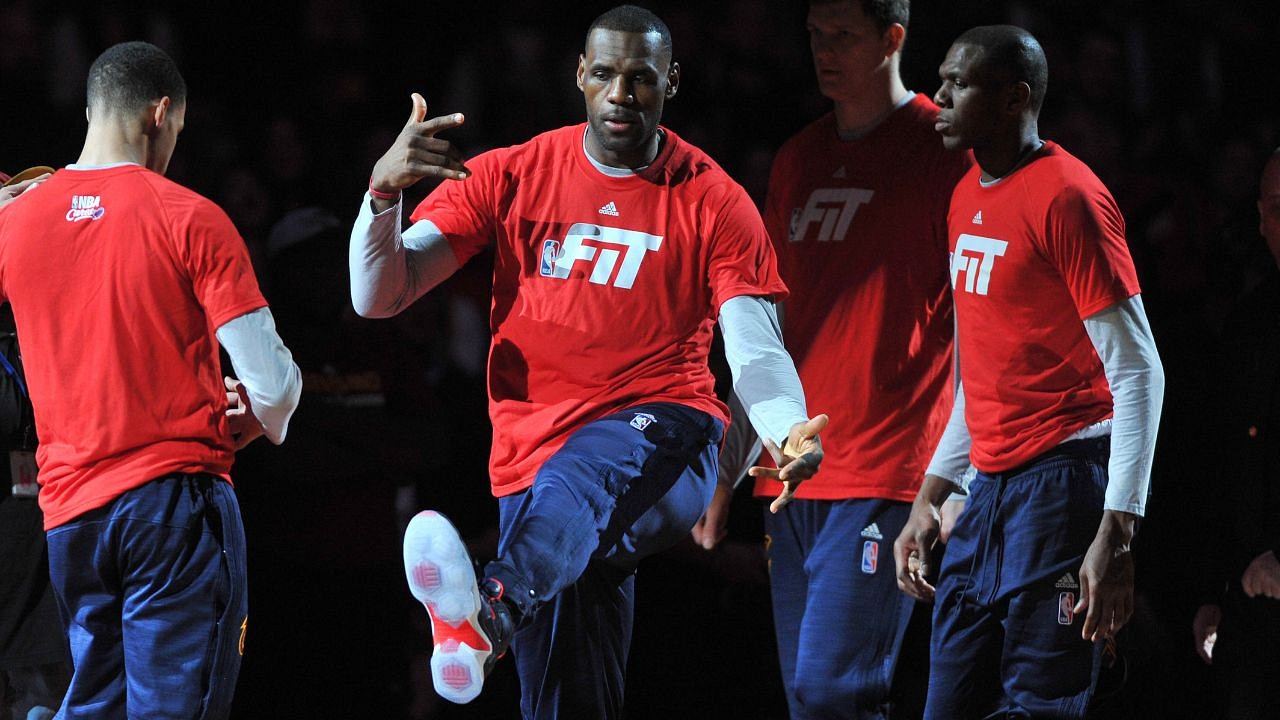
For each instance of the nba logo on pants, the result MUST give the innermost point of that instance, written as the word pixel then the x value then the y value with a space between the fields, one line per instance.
pixel 870 556
pixel 550 252
pixel 1066 608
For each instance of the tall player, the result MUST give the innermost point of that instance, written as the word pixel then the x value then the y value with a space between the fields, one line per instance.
pixel 1060 396
pixel 857 210
pixel 618 245
pixel 123 284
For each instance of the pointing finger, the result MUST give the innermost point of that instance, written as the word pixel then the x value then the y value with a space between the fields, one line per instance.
pixel 444 122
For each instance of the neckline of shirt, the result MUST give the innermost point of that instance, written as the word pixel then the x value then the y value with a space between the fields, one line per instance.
pixel 104 166
pixel 850 136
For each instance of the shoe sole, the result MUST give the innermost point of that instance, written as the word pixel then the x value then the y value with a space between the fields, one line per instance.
pixel 438 568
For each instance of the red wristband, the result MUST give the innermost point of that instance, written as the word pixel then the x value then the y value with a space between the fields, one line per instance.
pixel 382 195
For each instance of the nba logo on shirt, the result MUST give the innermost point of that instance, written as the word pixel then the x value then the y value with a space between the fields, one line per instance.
pixel 85 207
pixel 550 252
pixel 612 255
pixel 642 421
pixel 1066 608
pixel 831 209
pixel 870 556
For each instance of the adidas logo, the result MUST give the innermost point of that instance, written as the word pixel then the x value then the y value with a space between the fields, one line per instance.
pixel 1067 581
pixel 872 531
pixel 977 218
pixel 840 173
pixel 609 209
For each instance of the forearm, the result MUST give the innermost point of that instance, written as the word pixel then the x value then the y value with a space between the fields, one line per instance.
pixel 951 458
pixel 390 270
pixel 764 377
pixel 265 367
pixel 741 446
pixel 936 490
pixel 1123 341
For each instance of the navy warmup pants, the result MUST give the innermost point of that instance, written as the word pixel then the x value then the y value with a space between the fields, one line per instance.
pixel 151 588
pixel 837 610
pixel 623 487
pixel 1005 642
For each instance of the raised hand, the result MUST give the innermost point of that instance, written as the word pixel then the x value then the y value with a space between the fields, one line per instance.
pixel 797 460
pixel 418 153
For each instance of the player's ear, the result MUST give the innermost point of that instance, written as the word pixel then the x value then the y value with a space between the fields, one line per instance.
pixel 582 69
pixel 673 79
pixel 1019 97
pixel 894 36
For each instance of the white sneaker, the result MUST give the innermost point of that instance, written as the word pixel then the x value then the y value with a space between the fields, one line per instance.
pixel 469 632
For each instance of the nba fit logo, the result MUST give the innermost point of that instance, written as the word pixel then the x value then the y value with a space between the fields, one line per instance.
pixel 975 256
pixel 608 245
pixel 85 207
pixel 832 209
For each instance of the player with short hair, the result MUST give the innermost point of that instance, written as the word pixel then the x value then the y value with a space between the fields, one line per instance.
pixel 618 245
pixel 1058 406
pixel 123 284
pixel 857 211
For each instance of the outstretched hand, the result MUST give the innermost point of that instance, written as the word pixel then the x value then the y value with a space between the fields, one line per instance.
pixel 418 153
pixel 797 460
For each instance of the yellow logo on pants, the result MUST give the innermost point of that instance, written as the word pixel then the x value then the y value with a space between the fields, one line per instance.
pixel 244 627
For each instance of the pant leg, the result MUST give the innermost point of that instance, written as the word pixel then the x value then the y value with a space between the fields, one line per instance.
pixel 1048 519
pixel 964 667
pixel 619 490
pixel 787 544
pixel 854 616
pixel 164 606
pixel 86 584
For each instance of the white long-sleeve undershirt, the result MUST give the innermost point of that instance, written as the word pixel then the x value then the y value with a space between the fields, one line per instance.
pixel 1122 338
pixel 764 376
pixel 265 367
pixel 390 270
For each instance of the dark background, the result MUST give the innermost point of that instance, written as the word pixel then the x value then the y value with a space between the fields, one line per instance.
pixel 1171 103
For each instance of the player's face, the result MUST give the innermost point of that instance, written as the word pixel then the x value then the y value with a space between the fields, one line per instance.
pixel 970 98
pixel 1269 206
pixel 847 48
pixel 166 138
pixel 626 79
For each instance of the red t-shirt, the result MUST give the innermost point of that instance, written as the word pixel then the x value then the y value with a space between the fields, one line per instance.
pixel 605 288
pixel 860 228
pixel 1032 256
pixel 118 279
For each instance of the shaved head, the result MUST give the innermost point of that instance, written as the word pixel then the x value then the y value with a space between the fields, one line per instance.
pixel 1011 52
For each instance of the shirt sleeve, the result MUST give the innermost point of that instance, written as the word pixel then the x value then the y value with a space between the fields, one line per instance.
pixel 464 210
pixel 265 366
pixel 741 261
pixel 216 261
pixel 1122 338
pixel 390 270
pixel 764 377
pixel 1085 241
pixel 951 458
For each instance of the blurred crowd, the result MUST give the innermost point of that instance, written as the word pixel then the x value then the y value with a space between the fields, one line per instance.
pixel 292 102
